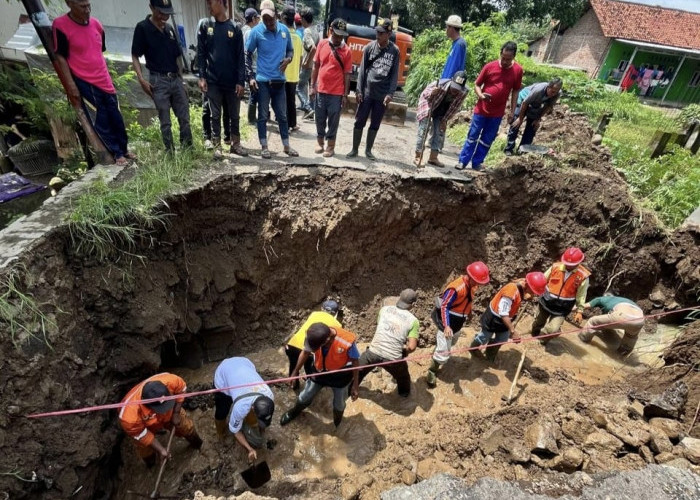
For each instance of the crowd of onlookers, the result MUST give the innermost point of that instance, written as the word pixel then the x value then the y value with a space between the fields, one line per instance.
pixel 279 57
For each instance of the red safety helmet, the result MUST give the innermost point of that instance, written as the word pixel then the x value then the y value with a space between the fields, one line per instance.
pixel 479 272
pixel 572 256
pixel 537 282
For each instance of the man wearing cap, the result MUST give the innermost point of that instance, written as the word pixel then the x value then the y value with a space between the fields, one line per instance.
pixel 251 406
pixel 79 41
pixel 452 308
pixel 619 314
pixel 142 421
pixel 395 338
pixel 497 322
pixel 567 286
pixel 457 58
pixel 273 43
pixel 497 81
pixel 291 74
pixel 309 40
pixel 330 84
pixel 439 102
pixel 155 39
pixel 295 345
pixel 252 18
pixel 222 72
pixel 333 349
pixel 376 83
pixel 534 102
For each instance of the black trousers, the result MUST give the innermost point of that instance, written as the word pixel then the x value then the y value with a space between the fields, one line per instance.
pixel 397 370
pixel 290 89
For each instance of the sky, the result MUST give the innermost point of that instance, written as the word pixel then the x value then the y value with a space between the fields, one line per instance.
pixel 689 5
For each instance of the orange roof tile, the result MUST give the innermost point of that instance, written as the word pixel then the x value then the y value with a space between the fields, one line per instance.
pixel 675 28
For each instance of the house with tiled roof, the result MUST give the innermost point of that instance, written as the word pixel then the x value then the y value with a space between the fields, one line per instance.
pixel 650 48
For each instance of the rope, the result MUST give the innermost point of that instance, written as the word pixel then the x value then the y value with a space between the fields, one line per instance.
pixel 412 359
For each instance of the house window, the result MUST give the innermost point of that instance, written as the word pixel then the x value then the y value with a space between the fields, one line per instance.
pixel 623 65
pixel 695 80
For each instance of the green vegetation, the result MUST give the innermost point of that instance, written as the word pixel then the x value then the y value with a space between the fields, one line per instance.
pixel 668 184
pixel 20 314
pixel 111 220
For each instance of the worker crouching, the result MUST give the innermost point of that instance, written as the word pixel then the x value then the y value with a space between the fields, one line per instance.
pixel 143 421
pixel 497 322
pixel 620 314
pixel 333 349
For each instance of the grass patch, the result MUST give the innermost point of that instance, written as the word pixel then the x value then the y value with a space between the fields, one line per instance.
pixel 20 313
pixel 496 156
pixel 108 221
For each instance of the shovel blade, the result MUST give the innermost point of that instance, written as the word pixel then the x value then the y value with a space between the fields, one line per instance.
pixel 256 475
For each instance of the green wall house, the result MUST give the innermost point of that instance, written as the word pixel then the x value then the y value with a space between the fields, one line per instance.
pixel 649 47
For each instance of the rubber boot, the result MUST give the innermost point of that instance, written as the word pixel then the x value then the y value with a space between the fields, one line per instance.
pixel 252 115
pixel 431 377
pixel 491 352
pixel 371 135
pixel 433 160
pixel 292 414
pixel 356 139
pixel 337 417
pixel 476 352
pixel 194 440
pixel 221 429
pixel 319 148
pixel 330 149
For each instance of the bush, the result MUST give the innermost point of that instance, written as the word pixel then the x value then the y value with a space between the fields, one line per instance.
pixel 689 114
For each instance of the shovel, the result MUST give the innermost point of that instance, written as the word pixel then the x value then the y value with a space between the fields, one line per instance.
pixel 160 473
pixel 256 475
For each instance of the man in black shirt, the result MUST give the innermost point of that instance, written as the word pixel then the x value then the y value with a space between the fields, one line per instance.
pixel 222 71
pixel 376 84
pixel 155 39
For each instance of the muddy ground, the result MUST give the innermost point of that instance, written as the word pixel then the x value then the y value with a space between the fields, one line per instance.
pixel 245 258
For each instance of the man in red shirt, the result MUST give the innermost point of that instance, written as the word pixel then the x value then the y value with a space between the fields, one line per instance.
pixel 497 80
pixel 330 83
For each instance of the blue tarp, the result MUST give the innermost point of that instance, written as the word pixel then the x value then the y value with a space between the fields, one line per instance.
pixel 14 186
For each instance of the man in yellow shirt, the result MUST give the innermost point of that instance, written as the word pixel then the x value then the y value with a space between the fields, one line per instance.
pixel 295 345
pixel 292 71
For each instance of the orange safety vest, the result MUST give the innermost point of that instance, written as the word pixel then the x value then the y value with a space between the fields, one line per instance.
pixel 464 296
pixel 565 288
pixel 139 421
pixel 337 355
pixel 512 292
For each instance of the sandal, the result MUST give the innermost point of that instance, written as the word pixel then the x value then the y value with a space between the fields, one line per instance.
pixel 238 149
pixel 121 161
pixel 266 154
pixel 130 156
pixel 291 152
pixel 460 167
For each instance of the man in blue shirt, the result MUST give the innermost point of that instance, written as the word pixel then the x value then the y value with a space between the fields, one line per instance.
pixel 273 44
pixel 534 102
pixel 457 58
pixel 619 314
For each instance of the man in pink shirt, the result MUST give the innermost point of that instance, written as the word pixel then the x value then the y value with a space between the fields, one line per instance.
pixel 79 41
pixel 497 81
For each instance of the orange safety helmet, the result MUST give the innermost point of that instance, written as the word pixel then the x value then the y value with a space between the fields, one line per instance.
pixel 479 272
pixel 537 282
pixel 572 256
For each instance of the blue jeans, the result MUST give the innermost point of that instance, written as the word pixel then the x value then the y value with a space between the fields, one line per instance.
pixel 485 337
pixel 528 133
pixel 303 89
pixel 108 121
pixel 327 113
pixel 340 394
pixel 482 133
pixel 266 95
pixel 437 136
